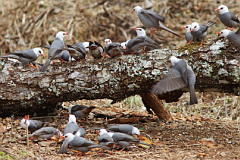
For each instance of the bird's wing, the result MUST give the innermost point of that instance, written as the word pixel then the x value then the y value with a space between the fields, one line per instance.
pixel 150 17
pixel 28 53
pixel 155 15
pixel 234 18
pixel 181 66
pixel 78 108
pixel 171 81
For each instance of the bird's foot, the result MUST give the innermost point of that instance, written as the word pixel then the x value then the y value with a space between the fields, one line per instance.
pixel 62 61
pixel 33 66
pixel 201 44
pixel 189 42
pixel 105 56
pixel 152 32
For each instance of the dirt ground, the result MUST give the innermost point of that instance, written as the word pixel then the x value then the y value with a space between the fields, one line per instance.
pixel 190 136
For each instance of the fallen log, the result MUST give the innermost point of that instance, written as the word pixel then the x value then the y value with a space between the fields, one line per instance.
pixel 28 91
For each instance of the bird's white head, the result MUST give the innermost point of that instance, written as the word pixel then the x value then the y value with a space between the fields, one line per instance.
pixel 107 42
pixel 187 28
pixel 60 35
pixel 174 60
pixel 140 31
pixel 38 51
pixel 25 122
pixel 224 32
pixel 195 26
pixel 135 131
pixel 72 118
pixel 124 45
pixel 102 131
pixel 137 9
pixel 69 137
pixel 222 9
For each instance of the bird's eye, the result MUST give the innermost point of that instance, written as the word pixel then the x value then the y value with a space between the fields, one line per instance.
pixel 221 8
pixel 65 136
pixel 195 26
pixel 39 51
pixel 221 32
pixel 140 30
pixel 186 26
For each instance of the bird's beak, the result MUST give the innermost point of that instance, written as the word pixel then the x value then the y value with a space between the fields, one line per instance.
pixel 218 33
pixel 26 117
pixel 42 55
pixel 66 33
pixel 182 27
pixel 97 132
pixel 140 136
pixel 135 28
pixel 132 11
pixel 217 9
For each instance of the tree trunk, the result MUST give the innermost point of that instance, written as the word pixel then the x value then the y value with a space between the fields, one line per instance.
pixel 27 91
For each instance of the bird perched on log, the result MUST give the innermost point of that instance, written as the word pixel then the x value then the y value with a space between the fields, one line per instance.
pixel 78 143
pixel 227 17
pixel 79 50
pixel 123 140
pixel 232 36
pixel 27 56
pixel 141 43
pixel 53 52
pixel 95 49
pixel 32 125
pixel 112 48
pixel 188 35
pixel 72 127
pixel 80 111
pixel 199 32
pixel 179 76
pixel 124 128
pixel 151 19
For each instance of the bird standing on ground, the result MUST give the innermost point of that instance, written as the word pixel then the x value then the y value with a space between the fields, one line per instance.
pixel 199 32
pixel 45 133
pixel 27 57
pixel 32 125
pixel 179 76
pixel 124 128
pixel 72 127
pixel 80 111
pixel 58 43
pixel 227 17
pixel 151 19
pixel 232 36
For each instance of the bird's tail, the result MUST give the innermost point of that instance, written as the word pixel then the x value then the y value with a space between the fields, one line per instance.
pixel 209 23
pixel 193 97
pixel 44 67
pixel 167 29
pixel 10 56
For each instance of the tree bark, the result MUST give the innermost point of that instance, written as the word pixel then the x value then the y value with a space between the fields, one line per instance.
pixel 28 91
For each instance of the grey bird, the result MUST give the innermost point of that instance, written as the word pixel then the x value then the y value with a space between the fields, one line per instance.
pixel 199 31
pixel 45 133
pixel 124 128
pixel 105 139
pixel 142 43
pixel 53 52
pixel 32 125
pixel 232 36
pixel 151 19
pixel 124 140
pixel 227 17
pixel 78 51
pixel 27 57
pixel 179 76
pixel 72 127
pixel 112 49
pixel 95 49
pixel 78 143
pixel 80 111
pixel 188 35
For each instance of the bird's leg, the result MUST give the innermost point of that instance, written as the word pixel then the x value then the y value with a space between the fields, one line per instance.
pixel 32 66
pixel 152 32
pixel 121 150
pixel 189 42
pixel 62 61
pixel 201 44
pixel 105 56
pixel 231 28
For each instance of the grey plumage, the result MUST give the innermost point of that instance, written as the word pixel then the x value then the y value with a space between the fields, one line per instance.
pixel 179 76
pixel 78 143
pixel 200 31
pixel 95 49
pixel 80 111
pixel 124 128
pixel 26 56
pixel 72 127
pixel 44 133
pixel 78 51
pixel 55 51
pixel 112 48
pixel 233 37
pixel 32 125
pixel 188 35
pixel 226 17
pixel 105 140
pixel 151 19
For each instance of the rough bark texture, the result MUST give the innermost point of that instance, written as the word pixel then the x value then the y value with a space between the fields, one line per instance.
pixel 25 90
